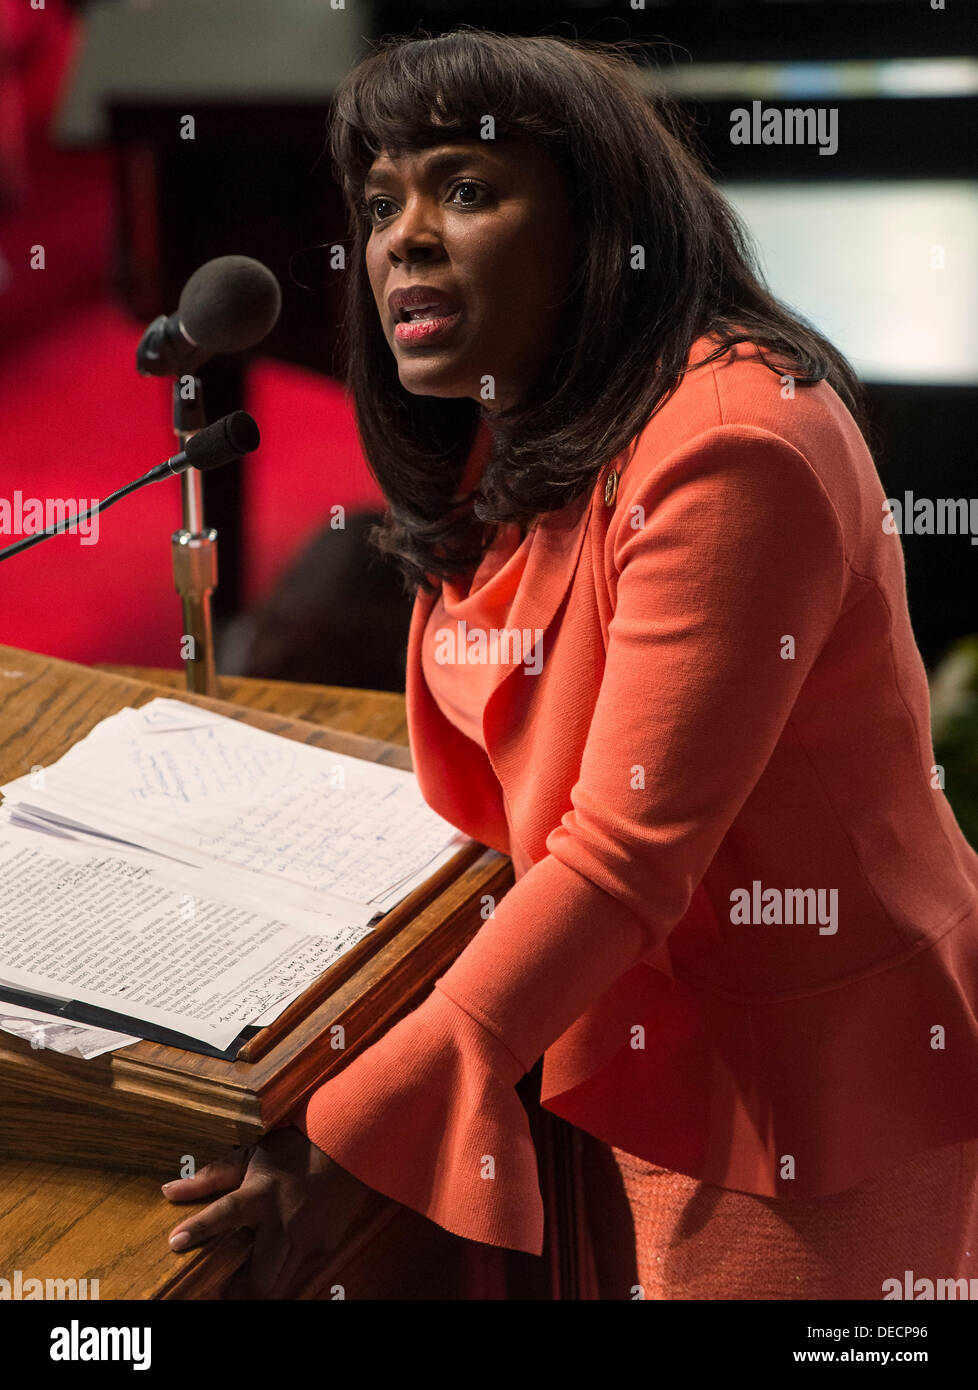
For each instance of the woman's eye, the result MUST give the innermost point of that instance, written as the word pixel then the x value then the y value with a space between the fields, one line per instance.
pixel 467 183
pixel 373 206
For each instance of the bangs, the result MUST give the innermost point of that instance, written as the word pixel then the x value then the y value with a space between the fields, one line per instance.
pixel 416 94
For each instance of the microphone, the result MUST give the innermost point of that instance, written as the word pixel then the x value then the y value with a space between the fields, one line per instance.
pixel 228 304
pixel 214 445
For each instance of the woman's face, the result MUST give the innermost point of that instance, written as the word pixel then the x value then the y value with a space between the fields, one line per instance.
pixel 488 228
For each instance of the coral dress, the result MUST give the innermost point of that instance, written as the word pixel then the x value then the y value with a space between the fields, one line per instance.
pixel 664 649
pixel 658 1234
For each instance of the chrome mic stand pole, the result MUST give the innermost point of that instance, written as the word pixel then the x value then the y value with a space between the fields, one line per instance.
pixel 194 549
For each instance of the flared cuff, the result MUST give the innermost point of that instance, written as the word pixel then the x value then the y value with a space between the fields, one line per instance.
pixel 428 1115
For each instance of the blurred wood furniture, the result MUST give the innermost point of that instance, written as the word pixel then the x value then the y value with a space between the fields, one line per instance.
pixel 105 1218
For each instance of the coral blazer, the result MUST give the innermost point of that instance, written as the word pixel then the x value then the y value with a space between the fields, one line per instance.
pixel 730 705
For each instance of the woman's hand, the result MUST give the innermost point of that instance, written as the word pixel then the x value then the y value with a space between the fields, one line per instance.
pixel 294 1197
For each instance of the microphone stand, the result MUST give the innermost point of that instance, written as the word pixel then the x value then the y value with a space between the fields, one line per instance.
pixel 194 549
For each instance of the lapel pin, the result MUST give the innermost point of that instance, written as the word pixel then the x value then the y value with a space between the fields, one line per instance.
pixel 611 488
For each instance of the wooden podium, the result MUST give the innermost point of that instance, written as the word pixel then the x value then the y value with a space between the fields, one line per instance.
pixel 99 1136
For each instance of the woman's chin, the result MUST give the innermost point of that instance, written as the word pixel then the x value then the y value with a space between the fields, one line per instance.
pixel 434 384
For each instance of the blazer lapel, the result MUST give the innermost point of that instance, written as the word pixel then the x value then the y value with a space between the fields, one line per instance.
pixel 552 561
pixel 554 552
pixel 457 779
pixel 455 776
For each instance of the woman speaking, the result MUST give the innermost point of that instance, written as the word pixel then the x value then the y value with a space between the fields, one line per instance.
pixel 660 654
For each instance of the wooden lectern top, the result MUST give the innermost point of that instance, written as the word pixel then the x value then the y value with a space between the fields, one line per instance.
pixel 141 1109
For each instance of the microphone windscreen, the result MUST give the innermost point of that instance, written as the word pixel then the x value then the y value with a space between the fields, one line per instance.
pixel 226 439
pixel 230 303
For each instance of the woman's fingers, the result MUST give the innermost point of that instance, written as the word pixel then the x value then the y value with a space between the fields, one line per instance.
pixel 230 1213
pixel 219 1176
pixel 295 1200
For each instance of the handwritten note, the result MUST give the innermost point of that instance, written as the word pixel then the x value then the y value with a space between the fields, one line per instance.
pixel 201 789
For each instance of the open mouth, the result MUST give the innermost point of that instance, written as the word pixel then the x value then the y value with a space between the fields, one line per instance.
pixel 412 313
pixel 420 324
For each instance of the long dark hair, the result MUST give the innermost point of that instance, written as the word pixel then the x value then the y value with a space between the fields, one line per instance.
pixel 632 180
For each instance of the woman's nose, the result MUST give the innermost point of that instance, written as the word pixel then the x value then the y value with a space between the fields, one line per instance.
pixel 415 231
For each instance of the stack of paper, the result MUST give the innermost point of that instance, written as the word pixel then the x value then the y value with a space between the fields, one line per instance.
pixel 187 871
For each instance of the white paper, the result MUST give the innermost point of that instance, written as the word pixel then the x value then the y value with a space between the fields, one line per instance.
pixel 330 831
pixel 58 1034
pixel 182 868
pixel 142 940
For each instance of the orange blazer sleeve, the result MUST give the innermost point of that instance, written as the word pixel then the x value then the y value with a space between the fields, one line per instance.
pixel 719 553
